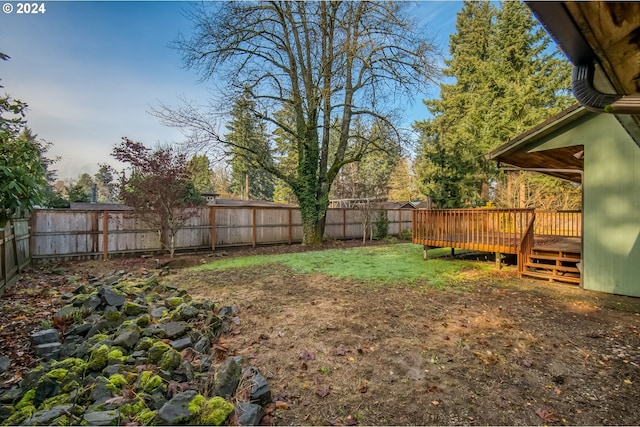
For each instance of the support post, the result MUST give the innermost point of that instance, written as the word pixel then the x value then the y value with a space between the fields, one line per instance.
pixel 105 235
pixel 453 252
pixel 499 260
pixel 425 248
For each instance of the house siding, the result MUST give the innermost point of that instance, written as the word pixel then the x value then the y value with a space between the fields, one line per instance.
pixel 611 201
pixel 611 191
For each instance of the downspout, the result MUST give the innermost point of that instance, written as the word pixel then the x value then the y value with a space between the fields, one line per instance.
pixel 594 100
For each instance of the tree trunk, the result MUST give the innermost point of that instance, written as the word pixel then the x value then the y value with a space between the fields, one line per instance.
pixel 312 232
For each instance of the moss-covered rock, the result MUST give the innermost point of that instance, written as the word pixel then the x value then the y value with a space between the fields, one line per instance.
pixel 99 358
pixel 157 350
pixel 174 302
pixel 216 411
pixel 144 343
pixel 170 360
pixel 148 381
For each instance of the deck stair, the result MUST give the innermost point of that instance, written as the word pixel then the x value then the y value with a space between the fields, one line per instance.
pixel 554 265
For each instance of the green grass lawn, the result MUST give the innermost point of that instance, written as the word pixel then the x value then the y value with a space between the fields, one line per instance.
pixel 400 263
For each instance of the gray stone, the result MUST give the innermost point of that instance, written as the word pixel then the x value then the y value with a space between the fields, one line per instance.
pixel 172 330
pixel 45 337
pixel 78 329
pixel 6 411
pixel 176 411
pixel 260 391
pixel 5 363
pixel 227 311
pixel 101 392
pixel 111 297
pixel 127 339
pixel 101 418
pixel 12 395
pixel 45 417
pixel 203 345
pixel 47 387
pixel 249 414
pixel 158 312
pixel 181 343
pixel 187 311
pixel 50 351
pixel 112 369
pixel 82 289
pixel 93 302
pixel 69 345
pixel 228 377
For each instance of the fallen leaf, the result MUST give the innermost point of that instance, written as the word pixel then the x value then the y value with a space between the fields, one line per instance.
pixel 175 387
pixel 17 318
pixel 628 381
pixel 281 405
pixel 557 390
pixel 323 392
pixel 307 355
pixel 340 350
pixel 351 421
pixel 547 416
pixel 363 388
pixel 435 402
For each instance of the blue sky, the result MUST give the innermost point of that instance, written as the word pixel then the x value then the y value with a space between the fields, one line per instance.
pixel 92 71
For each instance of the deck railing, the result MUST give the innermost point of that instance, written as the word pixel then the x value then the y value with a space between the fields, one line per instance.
pixel 558 223
pixel 487 230
pixel 525 247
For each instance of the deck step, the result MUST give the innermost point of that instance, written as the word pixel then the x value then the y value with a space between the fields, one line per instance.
pixel 556 257
pixel 551 278
pixel 553 267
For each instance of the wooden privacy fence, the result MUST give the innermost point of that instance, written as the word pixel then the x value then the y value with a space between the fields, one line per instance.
pixel 14 251
pixel 487 230
pixel 61 234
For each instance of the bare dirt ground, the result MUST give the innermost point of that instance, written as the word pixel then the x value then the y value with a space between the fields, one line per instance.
pixel 505 352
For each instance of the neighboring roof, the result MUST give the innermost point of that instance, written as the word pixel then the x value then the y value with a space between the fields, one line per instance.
pixel 516 152
pixel 82 206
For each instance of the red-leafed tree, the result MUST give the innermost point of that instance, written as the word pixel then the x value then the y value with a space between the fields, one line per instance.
pixel 158 186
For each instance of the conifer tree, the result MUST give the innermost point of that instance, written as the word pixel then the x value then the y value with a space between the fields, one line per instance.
pixel 507 79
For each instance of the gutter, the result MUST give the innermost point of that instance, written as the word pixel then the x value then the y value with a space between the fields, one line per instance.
pixel 594 100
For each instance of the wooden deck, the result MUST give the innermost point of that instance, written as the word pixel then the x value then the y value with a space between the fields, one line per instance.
pixel 548 243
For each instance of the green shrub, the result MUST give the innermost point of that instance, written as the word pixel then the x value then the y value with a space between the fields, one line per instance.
pixel 382 225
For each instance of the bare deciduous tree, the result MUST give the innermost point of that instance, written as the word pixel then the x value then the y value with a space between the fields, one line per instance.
pixel 327 63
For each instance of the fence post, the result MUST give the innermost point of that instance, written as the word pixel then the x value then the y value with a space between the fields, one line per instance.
pixel 212 222
pixel 105 235
pixel 290 225
pixel 254 233
pixel 344 224
pixel 399 222
pixel 15 245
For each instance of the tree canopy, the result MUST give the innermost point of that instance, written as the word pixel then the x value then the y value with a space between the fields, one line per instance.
pixel 507 77
pixel 324 62
pixel 158 185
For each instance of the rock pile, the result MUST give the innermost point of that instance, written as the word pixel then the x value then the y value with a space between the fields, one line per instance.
pixel 134 351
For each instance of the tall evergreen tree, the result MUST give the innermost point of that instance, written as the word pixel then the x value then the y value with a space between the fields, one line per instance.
pixel 250 146
pixel 507 79
pixel 199 171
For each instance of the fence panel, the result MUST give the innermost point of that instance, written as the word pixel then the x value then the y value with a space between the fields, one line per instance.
pixel 63 234
pixel 14 251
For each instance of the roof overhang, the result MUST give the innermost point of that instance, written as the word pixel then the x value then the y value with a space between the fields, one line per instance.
pixel 604 35
pixel 564 163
